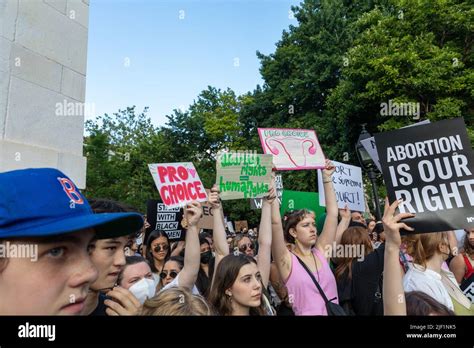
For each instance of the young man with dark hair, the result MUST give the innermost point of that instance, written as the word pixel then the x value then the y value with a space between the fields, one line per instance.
pixel 108 256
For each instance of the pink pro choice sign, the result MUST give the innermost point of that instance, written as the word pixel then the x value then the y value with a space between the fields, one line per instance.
pixel 178 183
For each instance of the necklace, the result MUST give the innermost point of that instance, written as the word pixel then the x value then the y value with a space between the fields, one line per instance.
pixel 315 264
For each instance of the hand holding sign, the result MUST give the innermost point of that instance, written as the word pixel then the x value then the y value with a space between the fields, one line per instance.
pixel 392 224
pixel 270 197
pixel 214 199
pixel 348 185
pixel 345 213
pixel 256 203
pixel 193 213
pixel 432 168
pixel 328 170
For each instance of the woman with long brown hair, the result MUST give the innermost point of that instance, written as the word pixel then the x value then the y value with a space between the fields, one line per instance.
pixel 463 264
pixel 237 286
pixel 239 280
pixel 359 273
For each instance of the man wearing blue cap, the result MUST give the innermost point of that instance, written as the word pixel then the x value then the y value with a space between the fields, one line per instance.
pixel 41 210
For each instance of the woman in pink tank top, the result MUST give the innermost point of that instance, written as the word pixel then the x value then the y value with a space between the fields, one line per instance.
pixel 300 229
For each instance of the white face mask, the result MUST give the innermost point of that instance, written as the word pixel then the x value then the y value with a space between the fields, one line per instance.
pixel 143 289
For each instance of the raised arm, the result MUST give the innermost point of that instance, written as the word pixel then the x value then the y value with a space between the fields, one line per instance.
pixel 328 235
pixel 179 248
pixel 265 236
pixel 192 256
pixel 281 255
pixel 219 235
pixel 453 243
pixel 343 224
pixel 393 292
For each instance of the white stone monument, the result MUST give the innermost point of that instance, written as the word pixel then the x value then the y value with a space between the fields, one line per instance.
pixel 43 56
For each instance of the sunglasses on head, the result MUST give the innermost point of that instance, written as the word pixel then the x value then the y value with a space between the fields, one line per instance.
pixel 244 247
pixel 159 248
pixel 172 274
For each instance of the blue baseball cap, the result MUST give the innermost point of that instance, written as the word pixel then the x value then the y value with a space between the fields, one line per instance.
pixel 45 202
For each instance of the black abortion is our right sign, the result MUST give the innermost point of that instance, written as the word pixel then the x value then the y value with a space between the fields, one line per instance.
pixel 432 168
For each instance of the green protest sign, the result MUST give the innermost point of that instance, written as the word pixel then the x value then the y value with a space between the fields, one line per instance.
pixel 243 175
pixel 295 200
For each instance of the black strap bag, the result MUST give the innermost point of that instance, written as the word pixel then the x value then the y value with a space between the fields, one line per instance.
pixel 331 307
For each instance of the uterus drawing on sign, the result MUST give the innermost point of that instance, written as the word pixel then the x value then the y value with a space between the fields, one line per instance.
pixel 294 150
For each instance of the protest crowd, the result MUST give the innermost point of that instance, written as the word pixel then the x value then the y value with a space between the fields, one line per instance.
pixel 103 257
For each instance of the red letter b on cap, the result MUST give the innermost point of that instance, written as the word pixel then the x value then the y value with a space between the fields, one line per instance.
pixel 70 189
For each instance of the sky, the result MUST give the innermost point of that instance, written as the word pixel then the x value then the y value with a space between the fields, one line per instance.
pixel 163 53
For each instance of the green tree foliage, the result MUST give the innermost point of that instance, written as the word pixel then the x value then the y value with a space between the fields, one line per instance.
pixel 118 149
pixel 300 74
pixel 410 51
pixel 211 124
pixel 331 72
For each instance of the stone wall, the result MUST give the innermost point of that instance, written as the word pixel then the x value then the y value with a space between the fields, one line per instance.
pixel 43 58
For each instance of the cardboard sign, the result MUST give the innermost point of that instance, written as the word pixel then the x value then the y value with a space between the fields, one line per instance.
pixel 371 147
pixel 295 200
pixel 348 186
pixel 207 219
pixel 432 168
pixel 292 149
pixel 240 225
pixel 243 175
pixel 256 203
pixel 165 219
pixel 178 183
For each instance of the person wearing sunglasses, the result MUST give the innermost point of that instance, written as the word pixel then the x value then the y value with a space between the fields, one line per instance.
pixel 157 252
pixel 243 244
pixel 171 269
pixel 179 272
